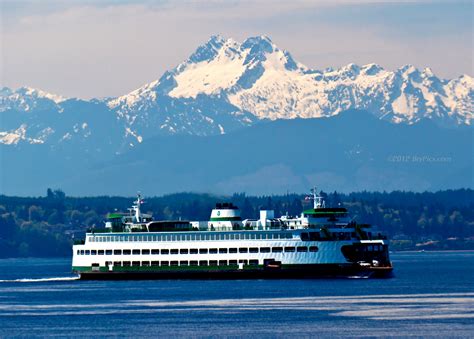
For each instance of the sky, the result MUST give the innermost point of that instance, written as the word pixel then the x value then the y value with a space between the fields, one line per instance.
pixel 108 48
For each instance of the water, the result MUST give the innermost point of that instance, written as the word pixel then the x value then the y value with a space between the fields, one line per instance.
pixel 432 294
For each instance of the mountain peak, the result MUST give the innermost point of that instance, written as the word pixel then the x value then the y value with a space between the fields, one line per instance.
pixel 27 98
pixel 209 50
pixel 371 69
pixel 408 69
pixel 216 39
pixel 467 79
pixel 428 72
pixel 37 93
pixel 225 65
pixel 260 43
pixel 259 39
pixel 351 69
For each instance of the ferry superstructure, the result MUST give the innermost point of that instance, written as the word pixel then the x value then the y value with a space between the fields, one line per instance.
pixel 320 242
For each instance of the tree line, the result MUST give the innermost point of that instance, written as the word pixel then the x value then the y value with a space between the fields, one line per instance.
pixel 46 226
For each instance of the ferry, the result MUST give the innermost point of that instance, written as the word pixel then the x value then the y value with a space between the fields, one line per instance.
pixel 321 242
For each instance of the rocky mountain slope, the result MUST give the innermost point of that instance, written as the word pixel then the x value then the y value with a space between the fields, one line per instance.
pixel 351 151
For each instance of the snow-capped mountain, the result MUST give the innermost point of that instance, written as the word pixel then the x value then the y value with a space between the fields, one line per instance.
pixel 262 79
pixel 259 78
pixel 226 85
pixel 28 99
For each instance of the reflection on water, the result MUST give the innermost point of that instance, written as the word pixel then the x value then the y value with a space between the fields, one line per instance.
pixel 378 307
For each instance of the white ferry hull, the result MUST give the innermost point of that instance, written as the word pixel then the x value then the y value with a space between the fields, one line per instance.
pixel 226 259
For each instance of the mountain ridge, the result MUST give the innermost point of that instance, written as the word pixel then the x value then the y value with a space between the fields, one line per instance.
pixel 226 85
pixel 350 151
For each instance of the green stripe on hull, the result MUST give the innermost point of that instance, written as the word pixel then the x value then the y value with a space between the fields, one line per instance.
pixel 193 268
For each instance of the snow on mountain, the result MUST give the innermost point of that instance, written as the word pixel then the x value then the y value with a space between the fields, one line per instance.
pixel 151 110
pixel 264 80
pixel 231 67
pixel 226 85
pixel 27 98
pixel 13 137
pixel 220 70
pixel 87 126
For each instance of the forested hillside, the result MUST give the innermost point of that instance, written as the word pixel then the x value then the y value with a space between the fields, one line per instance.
pixel 46 226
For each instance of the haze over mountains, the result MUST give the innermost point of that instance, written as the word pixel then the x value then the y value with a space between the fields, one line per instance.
pixel 227 88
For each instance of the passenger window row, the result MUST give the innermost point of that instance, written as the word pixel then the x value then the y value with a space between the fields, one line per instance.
pixel 208 236
pixel 182 263
pixel 299 249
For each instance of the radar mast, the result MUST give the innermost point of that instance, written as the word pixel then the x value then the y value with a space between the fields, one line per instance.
pixel 318 201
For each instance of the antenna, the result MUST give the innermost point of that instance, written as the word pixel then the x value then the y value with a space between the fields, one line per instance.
pixel 136 207
pixel 318 201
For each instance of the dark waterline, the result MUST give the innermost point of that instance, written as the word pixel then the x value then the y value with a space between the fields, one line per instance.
pixel 431 294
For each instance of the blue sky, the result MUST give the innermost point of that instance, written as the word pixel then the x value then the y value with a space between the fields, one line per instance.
pixel 107 48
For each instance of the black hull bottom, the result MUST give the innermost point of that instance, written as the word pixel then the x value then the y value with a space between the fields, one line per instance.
pixel 328 271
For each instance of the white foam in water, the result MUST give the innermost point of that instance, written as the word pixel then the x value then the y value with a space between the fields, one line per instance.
pixel 28 280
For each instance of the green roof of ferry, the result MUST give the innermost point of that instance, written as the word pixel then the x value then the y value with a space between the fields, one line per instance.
pixel 114 216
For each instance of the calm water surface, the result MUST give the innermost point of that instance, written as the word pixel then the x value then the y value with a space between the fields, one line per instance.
pixel 432 294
